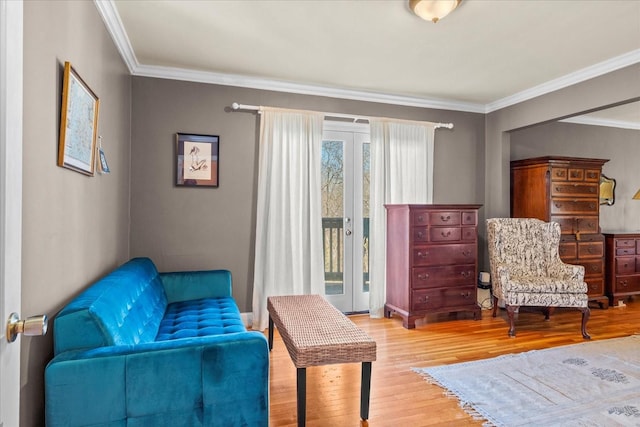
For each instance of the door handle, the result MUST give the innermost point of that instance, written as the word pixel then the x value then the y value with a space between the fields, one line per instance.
pixel 347 232
pixel 32 326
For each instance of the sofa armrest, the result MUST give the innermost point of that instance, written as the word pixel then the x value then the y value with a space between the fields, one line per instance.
pixel 193 285
pixel 218 380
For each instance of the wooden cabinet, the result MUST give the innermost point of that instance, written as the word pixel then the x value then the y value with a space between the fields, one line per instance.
pixel 565 190
pixel 623 265
pixel 432 260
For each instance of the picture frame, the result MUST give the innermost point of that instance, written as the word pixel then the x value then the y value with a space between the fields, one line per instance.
pixel 197 160
pixel 78 123
pixel 102 158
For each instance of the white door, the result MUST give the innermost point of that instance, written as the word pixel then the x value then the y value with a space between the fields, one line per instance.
pixel 10 202
pixel 345 215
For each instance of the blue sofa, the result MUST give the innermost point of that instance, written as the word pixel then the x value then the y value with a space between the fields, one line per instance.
pixel 142 348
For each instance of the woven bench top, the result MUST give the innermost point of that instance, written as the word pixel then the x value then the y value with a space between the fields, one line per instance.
pixel 316 333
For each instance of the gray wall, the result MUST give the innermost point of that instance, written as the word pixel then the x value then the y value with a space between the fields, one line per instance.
pixel 620 146
pixel 193 228
pixel 75 228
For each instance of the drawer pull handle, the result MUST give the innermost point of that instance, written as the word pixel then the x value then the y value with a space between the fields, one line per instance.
pixel 447 234
pixel 592 190
pixel 624 283
pixel 592 206
pixel 558 205
pixel 445 219
pixel 465 295
pixel 420 234
pixel 559 173
pixel 465 274
pixel 423 276
pixel 466 253
pixel 423 299
pixel 423 254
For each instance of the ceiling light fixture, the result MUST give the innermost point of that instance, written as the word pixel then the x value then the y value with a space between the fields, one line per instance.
pixel 433 10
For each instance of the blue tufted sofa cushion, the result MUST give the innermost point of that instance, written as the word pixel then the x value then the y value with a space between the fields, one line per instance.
pixel 199 318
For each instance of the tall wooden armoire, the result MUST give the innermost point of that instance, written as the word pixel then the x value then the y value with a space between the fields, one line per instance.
pixel 565 190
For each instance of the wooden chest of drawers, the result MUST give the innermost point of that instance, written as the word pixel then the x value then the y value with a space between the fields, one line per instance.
pixel 432 260
pixel 565 190
pixel 623 265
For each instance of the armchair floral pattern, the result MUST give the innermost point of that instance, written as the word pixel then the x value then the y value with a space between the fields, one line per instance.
pixel 526 269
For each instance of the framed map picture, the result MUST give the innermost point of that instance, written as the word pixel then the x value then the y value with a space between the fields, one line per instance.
pixel 197 160
pixel 78 124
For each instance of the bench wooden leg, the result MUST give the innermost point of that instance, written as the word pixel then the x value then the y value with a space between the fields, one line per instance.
pixel 270 333
pixel 365 390
pixel 302 396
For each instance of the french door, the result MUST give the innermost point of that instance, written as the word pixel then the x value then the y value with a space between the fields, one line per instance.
pixel 345 215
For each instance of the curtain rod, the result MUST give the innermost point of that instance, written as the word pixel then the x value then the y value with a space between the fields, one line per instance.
pixel 237 106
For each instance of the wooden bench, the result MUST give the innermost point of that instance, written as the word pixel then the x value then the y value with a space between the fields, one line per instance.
pixel 316 333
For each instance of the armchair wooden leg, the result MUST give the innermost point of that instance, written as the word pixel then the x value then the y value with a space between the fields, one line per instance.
pixel 585 317
pixel 511 309
pixel 495 305
pixel 547 313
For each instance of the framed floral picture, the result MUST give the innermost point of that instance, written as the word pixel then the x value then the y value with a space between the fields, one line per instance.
pixel 197 160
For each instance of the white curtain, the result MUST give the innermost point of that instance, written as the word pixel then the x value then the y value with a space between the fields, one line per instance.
pixel 288 257
pixel 401 172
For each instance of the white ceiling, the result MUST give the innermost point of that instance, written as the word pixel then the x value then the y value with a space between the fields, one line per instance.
pixel 484 56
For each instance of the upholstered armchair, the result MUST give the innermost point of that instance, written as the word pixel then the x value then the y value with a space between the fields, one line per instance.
pixel 526 269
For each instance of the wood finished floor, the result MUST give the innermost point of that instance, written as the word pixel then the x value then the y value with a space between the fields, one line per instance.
pixel 400 397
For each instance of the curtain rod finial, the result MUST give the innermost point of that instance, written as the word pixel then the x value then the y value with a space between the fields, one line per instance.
pixel 235 106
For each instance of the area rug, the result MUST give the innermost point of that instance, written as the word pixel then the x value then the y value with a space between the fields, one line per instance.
pixel 589 384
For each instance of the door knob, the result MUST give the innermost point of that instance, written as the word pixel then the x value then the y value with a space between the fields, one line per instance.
pixel 32 326
pixel 347 232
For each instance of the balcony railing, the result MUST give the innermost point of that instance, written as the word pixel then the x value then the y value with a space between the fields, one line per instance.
pixel 333 243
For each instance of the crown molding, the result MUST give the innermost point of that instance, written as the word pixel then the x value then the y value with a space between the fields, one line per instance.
pixel 570 79
pixel 303 89
pixel 594 121
pixel 114 25
pixel 111 18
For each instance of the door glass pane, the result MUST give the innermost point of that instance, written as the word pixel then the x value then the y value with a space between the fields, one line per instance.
pixel 366 186
pixel 332 215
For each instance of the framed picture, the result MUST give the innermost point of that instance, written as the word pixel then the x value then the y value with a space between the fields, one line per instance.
pixel 102 158
pixel 197 160
pixel 78 124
